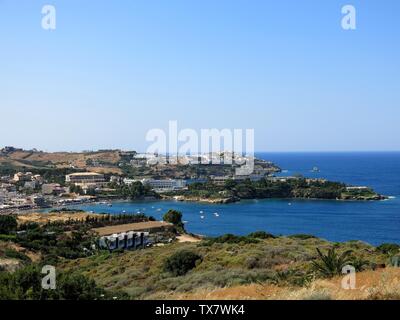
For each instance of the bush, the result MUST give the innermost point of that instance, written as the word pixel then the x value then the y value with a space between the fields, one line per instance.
pixel 174 217
pixel 231 239
pixel 8 224
pixel 331 263
pixel 261 235
pixel 181 262
pixel 77 287
pixel 389 248
pixel 25 284
pixel 7 237
pixel 13 254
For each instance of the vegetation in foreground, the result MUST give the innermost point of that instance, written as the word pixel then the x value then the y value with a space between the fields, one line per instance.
pixel 175 270
pixel 180 270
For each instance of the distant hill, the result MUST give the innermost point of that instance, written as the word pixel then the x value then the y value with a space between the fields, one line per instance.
pixel 106 161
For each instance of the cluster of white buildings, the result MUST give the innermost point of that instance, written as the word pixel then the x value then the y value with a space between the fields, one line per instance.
pixel 91 180
pixel 25 190
pixel 217 158
pixel 11 198
pixel 29 180
pixel 125 240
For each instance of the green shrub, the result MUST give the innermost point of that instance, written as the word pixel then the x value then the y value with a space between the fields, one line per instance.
pixel 389 248
pixel 302 236
pixel 13 254
pixel 7 237
pixel 261 235
pixel 331 264
pixel 8 224
pixel 173 216
pixel 181 262
pixel 77 287
pixel 25 284
pixel 231 239
pixel 359 263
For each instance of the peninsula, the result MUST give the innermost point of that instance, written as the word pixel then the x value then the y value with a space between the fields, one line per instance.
pixel 31 179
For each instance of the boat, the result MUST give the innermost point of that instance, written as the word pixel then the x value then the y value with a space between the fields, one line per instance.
pixel 201 217
pixel 216 214
pixel 315 169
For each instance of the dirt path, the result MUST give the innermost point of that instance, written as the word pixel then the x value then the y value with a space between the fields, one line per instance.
pixel 187 238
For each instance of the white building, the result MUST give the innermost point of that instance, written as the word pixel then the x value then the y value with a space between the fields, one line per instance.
pixel 160 185
pixel 20 176
pixel 124 240
pixel 85 179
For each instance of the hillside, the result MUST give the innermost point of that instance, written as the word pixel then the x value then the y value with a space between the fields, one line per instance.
pixel 180 266
pixel 231 267
pixel 381 284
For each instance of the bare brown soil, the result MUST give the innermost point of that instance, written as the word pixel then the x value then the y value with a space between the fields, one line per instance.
pixel 379 284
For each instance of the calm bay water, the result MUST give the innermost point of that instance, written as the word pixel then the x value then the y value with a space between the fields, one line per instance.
pixel 373 222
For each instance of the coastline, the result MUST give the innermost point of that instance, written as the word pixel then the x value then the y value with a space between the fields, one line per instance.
pixel 234 200
pixel 216 201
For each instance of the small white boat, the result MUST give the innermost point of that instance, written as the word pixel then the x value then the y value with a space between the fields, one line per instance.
pixel 123 211
pixel 201 217
pixel 201 212
pixel 216 214
pixel 289 204
pixel 159 209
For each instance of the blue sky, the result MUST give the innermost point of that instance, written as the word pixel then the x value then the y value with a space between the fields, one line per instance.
pixel 112 70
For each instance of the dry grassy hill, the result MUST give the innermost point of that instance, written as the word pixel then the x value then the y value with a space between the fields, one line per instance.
pixel 106 161
pixel 382 284
pixel 277 268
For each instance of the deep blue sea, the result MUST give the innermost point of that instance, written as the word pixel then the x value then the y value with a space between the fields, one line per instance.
pixel 372 222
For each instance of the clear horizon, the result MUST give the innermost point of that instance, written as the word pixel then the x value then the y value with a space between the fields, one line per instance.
pixel 141 151
pixel 111 72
